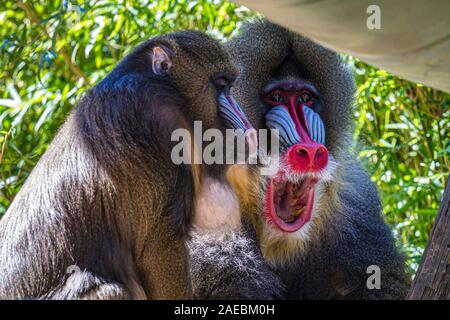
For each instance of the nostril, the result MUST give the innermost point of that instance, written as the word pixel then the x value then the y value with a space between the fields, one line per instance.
pixel 307 157
pixel 319 153
pixel 321 158
pixel 302 152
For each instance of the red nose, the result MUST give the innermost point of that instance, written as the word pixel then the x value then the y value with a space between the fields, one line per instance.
pixel 307 157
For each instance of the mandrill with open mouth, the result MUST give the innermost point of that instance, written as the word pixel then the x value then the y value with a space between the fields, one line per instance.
pixel 318 219
pixel 305 160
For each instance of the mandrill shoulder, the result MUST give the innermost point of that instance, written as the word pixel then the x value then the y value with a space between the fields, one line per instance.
pixel 357 189
pixel 365 239
pixel 360 212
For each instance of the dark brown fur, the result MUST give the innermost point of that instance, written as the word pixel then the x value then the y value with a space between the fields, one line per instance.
pixel 105 212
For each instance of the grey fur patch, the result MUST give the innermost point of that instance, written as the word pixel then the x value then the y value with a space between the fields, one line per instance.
pixel 229 265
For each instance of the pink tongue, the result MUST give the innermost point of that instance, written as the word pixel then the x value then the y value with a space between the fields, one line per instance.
pixel 252 141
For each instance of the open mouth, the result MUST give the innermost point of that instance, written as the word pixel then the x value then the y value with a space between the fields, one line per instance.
pixel 289 205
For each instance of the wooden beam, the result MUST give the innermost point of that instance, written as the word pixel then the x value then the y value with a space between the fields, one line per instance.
pixel 432 281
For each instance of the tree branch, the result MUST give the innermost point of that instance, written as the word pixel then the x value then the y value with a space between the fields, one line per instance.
pixel 432 280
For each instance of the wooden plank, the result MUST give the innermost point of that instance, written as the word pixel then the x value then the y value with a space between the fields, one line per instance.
pixel 432 281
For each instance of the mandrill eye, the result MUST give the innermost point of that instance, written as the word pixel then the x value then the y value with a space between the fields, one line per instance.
pixel 220 81
pixel 305 98
pixel 277 98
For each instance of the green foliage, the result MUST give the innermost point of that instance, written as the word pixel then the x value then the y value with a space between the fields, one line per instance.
pixel 403 130
pixel 51 52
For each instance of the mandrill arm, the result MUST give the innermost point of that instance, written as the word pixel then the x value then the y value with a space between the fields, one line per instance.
pixel 226 262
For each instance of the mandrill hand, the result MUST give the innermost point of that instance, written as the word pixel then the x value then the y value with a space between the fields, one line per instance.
pixel 216 207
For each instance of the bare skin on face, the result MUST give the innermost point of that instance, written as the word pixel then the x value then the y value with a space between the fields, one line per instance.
pixel 289 200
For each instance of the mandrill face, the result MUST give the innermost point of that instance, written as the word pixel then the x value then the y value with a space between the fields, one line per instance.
pixel 203 73
pixel 291 199
pixel 292 84
pixel 290 195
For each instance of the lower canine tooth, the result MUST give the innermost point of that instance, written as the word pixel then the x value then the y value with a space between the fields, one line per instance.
pixel 298 212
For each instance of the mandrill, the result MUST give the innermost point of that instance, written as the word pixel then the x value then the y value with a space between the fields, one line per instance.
pixel 105 212
pixel 318 218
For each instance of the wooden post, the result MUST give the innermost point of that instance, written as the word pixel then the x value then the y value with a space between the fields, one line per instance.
pixel 432 281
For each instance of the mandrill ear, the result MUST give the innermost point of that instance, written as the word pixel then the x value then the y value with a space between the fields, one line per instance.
pixel 161 63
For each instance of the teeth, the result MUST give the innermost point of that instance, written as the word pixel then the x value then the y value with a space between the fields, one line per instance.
pixel 290 219
pixel 298 212
pixel 294 215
